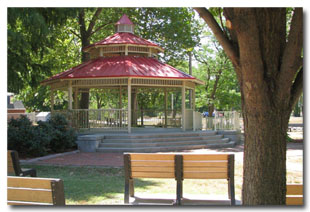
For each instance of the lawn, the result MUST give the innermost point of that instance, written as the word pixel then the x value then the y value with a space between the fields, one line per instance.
pixel 97 185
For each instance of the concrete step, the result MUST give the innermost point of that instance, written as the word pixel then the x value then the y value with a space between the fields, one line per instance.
pixel 164 148
pixel 162 139
pixel 168 143
pixel 159 135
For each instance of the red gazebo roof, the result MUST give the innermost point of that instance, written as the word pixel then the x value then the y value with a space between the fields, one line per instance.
pixel 122 66
pixel 123 38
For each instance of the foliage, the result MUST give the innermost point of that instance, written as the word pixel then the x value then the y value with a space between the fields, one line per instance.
pixel 25 138
pixel 63 136
pixel 221 90
pixel 29 140
pixel 45 41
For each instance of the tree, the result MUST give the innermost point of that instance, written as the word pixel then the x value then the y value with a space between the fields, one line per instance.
pixel 221 88
pixel 46 41
pixel 267 59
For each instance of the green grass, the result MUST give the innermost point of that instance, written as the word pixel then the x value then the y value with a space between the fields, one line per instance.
pixel 97 185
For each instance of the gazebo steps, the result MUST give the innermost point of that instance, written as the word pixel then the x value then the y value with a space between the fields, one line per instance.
pixel 159 134
pixel 168 143
pixel 164 148
pixel 162 141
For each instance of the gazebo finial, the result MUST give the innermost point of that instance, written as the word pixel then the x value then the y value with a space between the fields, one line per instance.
pixel 124 24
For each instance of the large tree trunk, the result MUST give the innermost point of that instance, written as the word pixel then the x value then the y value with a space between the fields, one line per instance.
pixel 264 173
pixel 268 65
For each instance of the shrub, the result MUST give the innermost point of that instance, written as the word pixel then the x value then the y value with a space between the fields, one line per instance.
pixel 63 136
pixel 25 138
pixel 54 135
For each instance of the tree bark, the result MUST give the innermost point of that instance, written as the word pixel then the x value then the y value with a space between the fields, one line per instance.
pixel 267 93
pixel 85 34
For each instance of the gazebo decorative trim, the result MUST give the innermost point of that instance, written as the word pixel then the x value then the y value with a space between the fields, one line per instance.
pixel 123 61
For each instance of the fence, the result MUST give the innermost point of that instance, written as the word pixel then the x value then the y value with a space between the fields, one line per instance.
pixel 112 119
pixel 156 118
pixel 222 120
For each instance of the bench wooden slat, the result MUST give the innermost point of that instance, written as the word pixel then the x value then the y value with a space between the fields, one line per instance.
pixel 205 163
pixel 152 175
pixel 43 183
pixel 11 169
pixel 294 189
pixel 294 200
pixel 152 169
pixel 10 163
pixel 31 190
pixel 205 175
pixel 178 167
pixel 200 157
pixel 142 156
pixel 204 169
pixel 30 195
pixel 26 203
pixel 153 163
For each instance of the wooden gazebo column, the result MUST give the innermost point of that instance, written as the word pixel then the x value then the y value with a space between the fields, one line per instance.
pixel 183 106
pixel 52 100
pixel 129 105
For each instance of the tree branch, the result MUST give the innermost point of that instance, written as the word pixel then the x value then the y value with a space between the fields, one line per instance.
pixel 292 60
pixel 296 89
pixel 93 21
pixel 220 35
pixel 100 27
pixel 75 33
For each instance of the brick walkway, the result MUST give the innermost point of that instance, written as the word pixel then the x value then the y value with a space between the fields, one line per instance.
pixel 86 159
pixel 116 159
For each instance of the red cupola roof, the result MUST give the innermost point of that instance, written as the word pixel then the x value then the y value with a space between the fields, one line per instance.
pixel 124 20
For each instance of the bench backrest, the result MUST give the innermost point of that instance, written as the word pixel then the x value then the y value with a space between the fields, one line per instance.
pixel 35 191
pixel 294 194
pixel 202 166
pixel 192 166
pixel 150 165
pixel 11 169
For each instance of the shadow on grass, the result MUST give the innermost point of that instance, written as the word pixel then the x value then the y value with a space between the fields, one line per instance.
pixel 89 185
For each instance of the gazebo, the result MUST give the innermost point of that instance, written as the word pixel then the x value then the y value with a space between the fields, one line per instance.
pixel 127 64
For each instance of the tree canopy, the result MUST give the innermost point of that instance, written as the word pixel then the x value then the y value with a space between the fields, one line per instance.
pixel 46 41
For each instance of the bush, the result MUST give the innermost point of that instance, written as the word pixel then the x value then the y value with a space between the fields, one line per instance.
pixel 25 138
pixel 54 135
pixel 63 136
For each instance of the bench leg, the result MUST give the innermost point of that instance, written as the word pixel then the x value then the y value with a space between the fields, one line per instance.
pixel 179 191
pixel 126 194
pixel 231 180
pixel 131 188
pixel 179 177
pixel 231 191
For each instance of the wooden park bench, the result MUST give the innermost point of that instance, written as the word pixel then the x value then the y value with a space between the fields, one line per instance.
pixel 178 167
pixel 14 166
pixel 294 194
pixel 35 191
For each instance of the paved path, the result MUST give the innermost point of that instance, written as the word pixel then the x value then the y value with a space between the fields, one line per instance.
pixel 116 159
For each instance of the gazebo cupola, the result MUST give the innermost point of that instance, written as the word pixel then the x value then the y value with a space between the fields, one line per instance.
pixel 128 65
pixel 123 42
pixel 124 25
